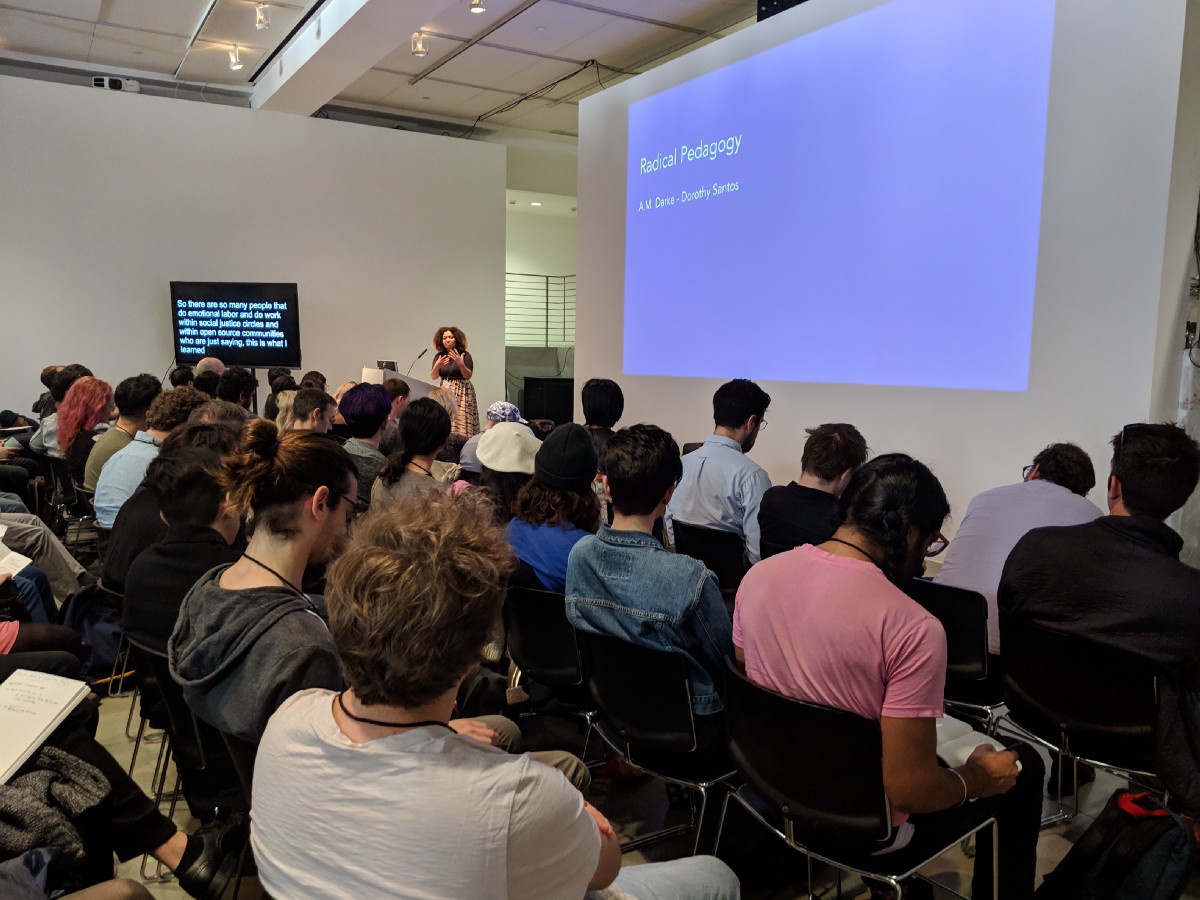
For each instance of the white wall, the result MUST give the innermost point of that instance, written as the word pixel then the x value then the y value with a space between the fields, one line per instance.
pixel 108 197
pixel 1108 270
pixel 539 245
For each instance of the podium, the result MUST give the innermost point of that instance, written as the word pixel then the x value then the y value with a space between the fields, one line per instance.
pixel 416 387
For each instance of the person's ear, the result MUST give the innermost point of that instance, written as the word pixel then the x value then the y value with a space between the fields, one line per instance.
pixel 320 503
pixel 669 494
pixel 1114 490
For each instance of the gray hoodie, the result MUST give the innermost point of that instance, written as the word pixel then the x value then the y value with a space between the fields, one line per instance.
pixel 239 654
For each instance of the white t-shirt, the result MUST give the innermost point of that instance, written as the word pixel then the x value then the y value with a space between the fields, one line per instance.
pixel 994 522
pixel 426 813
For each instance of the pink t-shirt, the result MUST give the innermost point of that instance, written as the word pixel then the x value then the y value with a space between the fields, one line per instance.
pixel 834 631
pixel 8 635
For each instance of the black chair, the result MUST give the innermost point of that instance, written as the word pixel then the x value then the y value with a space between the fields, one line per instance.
pixel 1086 701
pixel 814 776
pixel 644 712
pixel 768 548
pixel 724 552
pixel 964 617
pixel 71 507
pixel 690 447
pixel 542 643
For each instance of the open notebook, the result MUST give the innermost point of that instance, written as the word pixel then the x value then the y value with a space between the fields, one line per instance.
pixel 956 740
pixel 32 704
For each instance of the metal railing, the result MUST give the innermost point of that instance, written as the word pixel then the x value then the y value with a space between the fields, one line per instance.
pixel 539 310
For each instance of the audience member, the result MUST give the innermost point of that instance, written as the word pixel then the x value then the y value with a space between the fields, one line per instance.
pixel 133 397
pixel 364 408
pixel 399 391
pixel 45 439
pixel 603 403
pixel 721 488
pixel 1119 581
pixel 500 411
pixel 506 457
pixel 427 576
pixel 44 404
pixel 237 385
pixel 313 410
pixel 181 376
pixel 140 522
pixel 1053 492
pixel 314 379
pixel 410 473
pixel 87 406
pixel 247 637
pixel 18 636
pixel 452 449
pixel 805 511
pixel 830 625
pixel 30 536
pixel 210 364
pixel 285 412
pixel 621 582
pixel 276 372
pixel 126 468
pixel 207 382
pixel 220 412
pixel 555 508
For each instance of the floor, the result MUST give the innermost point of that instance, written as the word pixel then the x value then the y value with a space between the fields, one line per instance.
pixel 770 871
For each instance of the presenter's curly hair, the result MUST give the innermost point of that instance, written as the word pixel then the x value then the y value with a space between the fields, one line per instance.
pixel 271 472
pixel 415 597
pixel 88 403
pixel 887 497
pixel 460 339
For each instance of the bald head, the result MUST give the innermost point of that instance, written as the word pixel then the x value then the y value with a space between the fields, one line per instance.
pixel 210 364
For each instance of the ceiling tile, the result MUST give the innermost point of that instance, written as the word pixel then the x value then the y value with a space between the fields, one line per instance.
pixel 132 49
pixel 74 9
pixel 541 73
pixel 44 35
pixel 435 97
pixel 402 60
pixel 542 115
pixel 705 15
pixel 372 86
pixel 625 42
pixel 486 66
pixel 176 17
pixel 208 62
pixel 559 26
pixel 232 22
pixel 457 19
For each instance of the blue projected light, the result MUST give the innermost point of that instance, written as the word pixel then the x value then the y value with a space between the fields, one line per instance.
pixel 858 205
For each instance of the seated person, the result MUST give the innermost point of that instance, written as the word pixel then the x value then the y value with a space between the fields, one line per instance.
pixel 45 439
pixel 364 409
pixel 237 385
pixel 30 637
pixel 30 536
pixel 805 511
pixel 314 379
pixel 399 391
pixel 133 397
pixel 1053 491
pixel 506 462
pixel 182 376
pixel 622 582
pixel 555 509
pixel 140 522
pixel 424 427
pixel 82 419
pixel 452 449
pixel 828 624
pixel 313 410
pixel 603 402
pixel 500 411
pixel 721 487
pixel 478 823
pixel 126 468
pixel 206 383
pixel 1119 581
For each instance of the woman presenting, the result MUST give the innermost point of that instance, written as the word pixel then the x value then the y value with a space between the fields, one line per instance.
pixel 454 366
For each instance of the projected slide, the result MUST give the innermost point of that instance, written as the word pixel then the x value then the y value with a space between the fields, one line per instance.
pixel 859 205
pixel 255 325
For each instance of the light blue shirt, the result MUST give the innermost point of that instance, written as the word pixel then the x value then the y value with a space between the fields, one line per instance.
pixel 121 476
pixel 721 488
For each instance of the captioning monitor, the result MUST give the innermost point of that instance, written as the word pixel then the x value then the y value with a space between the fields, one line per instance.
pixel 243 324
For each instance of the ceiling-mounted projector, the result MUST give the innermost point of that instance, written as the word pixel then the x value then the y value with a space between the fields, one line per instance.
pixel 112 83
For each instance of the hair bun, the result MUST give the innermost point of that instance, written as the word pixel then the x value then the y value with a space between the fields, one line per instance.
pixel 261 439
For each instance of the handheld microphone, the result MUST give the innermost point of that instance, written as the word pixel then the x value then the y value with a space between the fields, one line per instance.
pixel 415 361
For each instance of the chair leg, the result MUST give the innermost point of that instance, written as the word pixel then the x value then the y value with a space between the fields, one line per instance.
pixel 721 822
pixel 133 702
pixel 700 820
pixel 995 858
pixel 137 745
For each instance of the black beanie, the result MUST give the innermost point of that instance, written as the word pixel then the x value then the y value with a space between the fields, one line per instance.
pixel 567 459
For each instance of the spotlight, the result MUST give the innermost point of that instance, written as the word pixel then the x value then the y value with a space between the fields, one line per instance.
pixel 262 17
pixel 418 44
pixel 477 6
pixel 235 60
pixel 535 203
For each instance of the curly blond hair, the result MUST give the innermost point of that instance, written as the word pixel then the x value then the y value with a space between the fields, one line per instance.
pixel 414 598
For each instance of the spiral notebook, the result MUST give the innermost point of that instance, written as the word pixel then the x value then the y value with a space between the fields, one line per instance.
pixel 32 705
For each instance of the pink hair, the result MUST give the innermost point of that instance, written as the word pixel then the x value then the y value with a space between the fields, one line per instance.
pixel 87 404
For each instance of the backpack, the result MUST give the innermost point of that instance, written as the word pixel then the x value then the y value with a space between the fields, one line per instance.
pixel 1136 849
pixel 89 612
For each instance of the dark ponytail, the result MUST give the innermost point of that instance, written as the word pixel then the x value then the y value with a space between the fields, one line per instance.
pixel 887 497
pixel 424 427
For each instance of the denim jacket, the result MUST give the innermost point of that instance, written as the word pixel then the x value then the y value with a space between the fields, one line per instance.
pixel 624 584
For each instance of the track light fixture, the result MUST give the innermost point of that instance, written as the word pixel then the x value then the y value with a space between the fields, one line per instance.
pixel 418 44
pixel 477 6
pixel 235 60
pixel 262 17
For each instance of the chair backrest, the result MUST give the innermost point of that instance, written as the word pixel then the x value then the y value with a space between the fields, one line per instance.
pixel 75 504
pixel 822 768
pixel 186 741
pixel 964 616
pixel 242 752
pixel 1104 699
pixel 722 551
pixel 641 694
pixel 541 640
pixel 690 447
pixel 768 548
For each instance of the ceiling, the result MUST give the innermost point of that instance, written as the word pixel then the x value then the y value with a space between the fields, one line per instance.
pixel 523 63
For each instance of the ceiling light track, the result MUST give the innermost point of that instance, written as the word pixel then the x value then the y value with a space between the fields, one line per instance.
pixel 503 20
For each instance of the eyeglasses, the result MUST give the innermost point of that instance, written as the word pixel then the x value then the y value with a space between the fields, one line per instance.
pixel 937 544
pixel 762 424
pixel 1025 471
pixel 354 510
